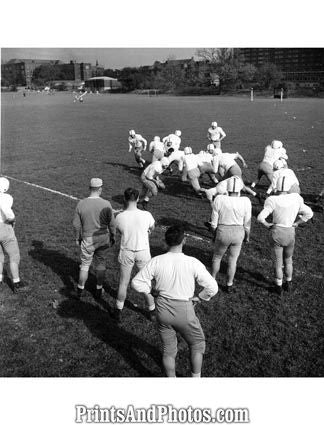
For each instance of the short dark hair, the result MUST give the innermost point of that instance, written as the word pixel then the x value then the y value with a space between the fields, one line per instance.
pixel 131 194
pixel 174 235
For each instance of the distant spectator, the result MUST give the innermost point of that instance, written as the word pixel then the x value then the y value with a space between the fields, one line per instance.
pixel 94 226
pixel 175 275
pixel 8 240
pixel 135 226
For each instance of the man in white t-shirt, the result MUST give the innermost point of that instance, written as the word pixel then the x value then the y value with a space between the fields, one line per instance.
pixel 175 275
pixel 231 219
pixel 215 134
pixel 139 144
pixel 135 226
pixel 271 154
pixel 285 208
pixel 8 240
pixel 151 181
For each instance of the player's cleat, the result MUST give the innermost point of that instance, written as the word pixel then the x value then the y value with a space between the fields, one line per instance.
pixel 277 290
pixel 20 286
pixel 117 315
pixel 229 289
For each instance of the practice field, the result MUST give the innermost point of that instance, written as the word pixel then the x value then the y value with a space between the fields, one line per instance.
pixel 56 144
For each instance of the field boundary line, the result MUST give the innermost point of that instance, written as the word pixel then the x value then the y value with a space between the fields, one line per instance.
pixel 43 188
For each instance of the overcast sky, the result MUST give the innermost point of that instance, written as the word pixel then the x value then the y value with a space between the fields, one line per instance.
pixel 110 58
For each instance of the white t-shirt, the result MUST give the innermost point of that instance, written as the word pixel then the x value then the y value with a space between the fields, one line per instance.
pixel 153 170
pixel 134 226
pixel 6 212
pixel 285 209
pixel 231 210
pixel 271 155
pixel 283 172
pixel 175 275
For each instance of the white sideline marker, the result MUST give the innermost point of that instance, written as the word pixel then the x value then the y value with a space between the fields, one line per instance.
pixel 44 188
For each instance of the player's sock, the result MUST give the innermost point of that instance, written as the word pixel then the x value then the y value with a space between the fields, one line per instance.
pixel 196 375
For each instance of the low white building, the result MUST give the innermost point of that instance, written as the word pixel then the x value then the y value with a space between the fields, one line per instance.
pixel 102 84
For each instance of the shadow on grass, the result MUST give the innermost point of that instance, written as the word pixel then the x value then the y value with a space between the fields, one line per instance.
pixel 174 186
pixel 65 267
pixel 68 271
pixel 135 170
pixel 104 328
pixel 199 230
pixel 6 280
pixel 313 202
pixel 253 277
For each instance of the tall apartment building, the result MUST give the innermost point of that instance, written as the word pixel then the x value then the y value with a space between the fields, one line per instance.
pixel 299 65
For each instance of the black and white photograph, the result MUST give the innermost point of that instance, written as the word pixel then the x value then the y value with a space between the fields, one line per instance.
pixel 161 217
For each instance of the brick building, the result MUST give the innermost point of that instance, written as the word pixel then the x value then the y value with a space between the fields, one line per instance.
pixel 299 65
pixel 20 71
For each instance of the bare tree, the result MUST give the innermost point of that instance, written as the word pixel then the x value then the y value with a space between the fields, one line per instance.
pixel 216 55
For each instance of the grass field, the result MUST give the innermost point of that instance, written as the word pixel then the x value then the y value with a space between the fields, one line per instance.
pixel 55 143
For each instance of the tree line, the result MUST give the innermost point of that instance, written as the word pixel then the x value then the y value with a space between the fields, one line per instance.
pixel 229 71
pixel 216 70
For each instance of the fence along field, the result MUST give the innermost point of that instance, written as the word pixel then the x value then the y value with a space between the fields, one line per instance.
pixel 54 143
